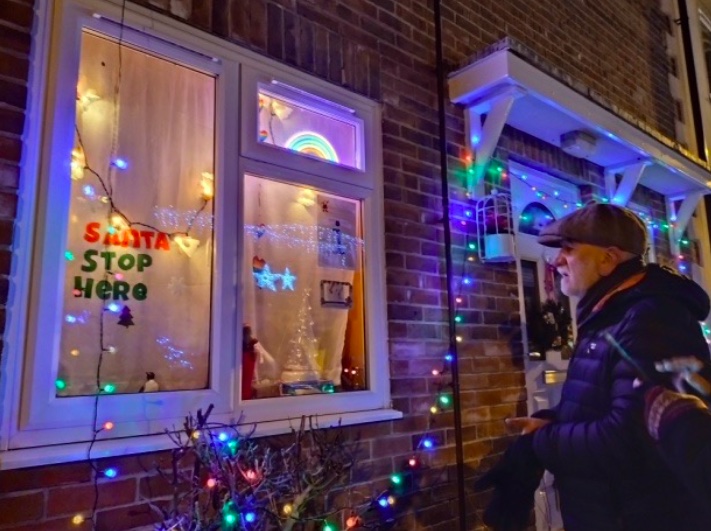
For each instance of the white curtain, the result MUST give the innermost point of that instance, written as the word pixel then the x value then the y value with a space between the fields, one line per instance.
pixel 163 116
pixel 289 227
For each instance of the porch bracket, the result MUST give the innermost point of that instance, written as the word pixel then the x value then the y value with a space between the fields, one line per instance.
pixel 679 218
pixel 483 137
pixel 620 194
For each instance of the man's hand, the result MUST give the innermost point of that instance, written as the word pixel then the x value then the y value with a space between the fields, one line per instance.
pixel 685 370
pixel 524 425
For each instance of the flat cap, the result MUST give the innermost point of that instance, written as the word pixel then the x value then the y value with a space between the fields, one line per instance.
pixel 598 224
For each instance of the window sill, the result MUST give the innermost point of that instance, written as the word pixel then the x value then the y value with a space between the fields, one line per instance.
pixel 66 453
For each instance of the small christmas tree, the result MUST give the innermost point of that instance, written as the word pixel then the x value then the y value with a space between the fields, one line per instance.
pixel 125 317
pixel 301 360
pixel 223 479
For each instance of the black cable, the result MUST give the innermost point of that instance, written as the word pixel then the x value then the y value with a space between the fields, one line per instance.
pixel 441 101
pixel 694 97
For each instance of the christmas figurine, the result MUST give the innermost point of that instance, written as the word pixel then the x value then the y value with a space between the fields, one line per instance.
pixel 257 363
pixel 151 386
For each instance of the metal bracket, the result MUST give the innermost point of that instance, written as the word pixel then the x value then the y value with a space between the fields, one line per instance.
pixel 678 219
pixel 631 175
pixel 483 135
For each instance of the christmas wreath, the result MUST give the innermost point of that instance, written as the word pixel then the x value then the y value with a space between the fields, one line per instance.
pixel 550 326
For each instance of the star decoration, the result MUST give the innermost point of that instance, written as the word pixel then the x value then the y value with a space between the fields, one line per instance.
pixel 265 278
pixel 287 280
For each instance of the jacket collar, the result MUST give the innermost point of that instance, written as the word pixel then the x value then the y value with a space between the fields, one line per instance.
pixel 625 276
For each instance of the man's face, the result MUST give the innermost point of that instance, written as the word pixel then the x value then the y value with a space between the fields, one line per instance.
pixel 580 265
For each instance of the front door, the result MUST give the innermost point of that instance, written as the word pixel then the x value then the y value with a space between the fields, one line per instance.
pixel 547 349
pixel 547 315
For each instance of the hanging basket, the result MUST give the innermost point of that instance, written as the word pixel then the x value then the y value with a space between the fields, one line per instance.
pixel 495 229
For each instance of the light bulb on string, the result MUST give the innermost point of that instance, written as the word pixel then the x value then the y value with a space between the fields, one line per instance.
pixel 207 185
pixel 108 425
pixel 412 462
pixel 78 164
pixel 78 519
pixel 60 384
pixel 222 437
pixel 119 163
pixel 383 502
pixel 434 410
pixel 109 388
pixel 118 221
pixel 428 443
pixel 250 516
pixel 435 372
pixel 288 509
pixel 111 472
pixel 88 98
pixel 352 521
pixel 211 483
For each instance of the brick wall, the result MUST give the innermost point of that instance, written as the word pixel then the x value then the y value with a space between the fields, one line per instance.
pixel 383 49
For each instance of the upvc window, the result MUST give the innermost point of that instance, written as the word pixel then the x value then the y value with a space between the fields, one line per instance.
pixel 192 248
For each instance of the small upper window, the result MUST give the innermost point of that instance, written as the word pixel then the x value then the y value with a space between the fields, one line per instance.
pixel 138 260
pixel 534 217
pixel 307 126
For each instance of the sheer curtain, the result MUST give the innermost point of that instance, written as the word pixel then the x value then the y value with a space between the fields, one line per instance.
pixel 291 227
pixel 160 123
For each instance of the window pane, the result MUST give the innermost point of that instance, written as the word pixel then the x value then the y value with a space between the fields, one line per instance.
pixel 139 236
pixel 308 130
pixel 303 292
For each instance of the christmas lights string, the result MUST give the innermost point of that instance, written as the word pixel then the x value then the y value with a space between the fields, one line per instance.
pixel 442 401
pixel 117 220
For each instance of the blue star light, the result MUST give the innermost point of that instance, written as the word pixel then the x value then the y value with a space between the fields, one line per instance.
pixel 265 278
pixel 287 280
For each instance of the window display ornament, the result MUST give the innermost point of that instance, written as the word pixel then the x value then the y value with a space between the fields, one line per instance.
pixel 287 280
pixel 88 98
pixel 151 385
pixel 308 238
pixel 187 244
pixel 266 279
pixel 126 318
pixel 314 144
pixel 300 364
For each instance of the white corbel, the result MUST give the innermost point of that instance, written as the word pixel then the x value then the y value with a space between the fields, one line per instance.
pixel 483 135
pixel 620 194
pixel 678 218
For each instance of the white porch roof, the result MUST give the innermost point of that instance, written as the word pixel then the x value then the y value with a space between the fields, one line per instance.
pixel 510 90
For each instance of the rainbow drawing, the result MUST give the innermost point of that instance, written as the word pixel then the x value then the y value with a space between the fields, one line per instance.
pixel 310 143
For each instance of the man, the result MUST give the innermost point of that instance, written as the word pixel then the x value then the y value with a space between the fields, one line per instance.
pixel 607 471
pixel 680 423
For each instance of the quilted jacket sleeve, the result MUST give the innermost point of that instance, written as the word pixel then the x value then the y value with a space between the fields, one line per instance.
pixel 609 445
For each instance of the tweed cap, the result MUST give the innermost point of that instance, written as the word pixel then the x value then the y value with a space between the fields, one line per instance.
pixel 598 224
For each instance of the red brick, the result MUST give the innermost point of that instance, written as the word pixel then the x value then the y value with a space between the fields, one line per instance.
pixel 21 508
pixel 15 40
pixel 125 518
pixel 43 477
pixel 69 500
pixel 10 148
pixel 55 524
pixel 18 14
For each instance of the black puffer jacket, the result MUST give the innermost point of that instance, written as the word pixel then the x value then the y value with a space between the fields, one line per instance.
pixel 608 474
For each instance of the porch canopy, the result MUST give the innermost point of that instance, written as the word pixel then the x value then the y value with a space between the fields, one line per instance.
pixel 502 87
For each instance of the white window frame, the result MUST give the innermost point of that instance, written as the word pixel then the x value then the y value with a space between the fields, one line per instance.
pixel 32 417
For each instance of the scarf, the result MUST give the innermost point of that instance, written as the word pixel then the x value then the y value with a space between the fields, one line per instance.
pixel 607 285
